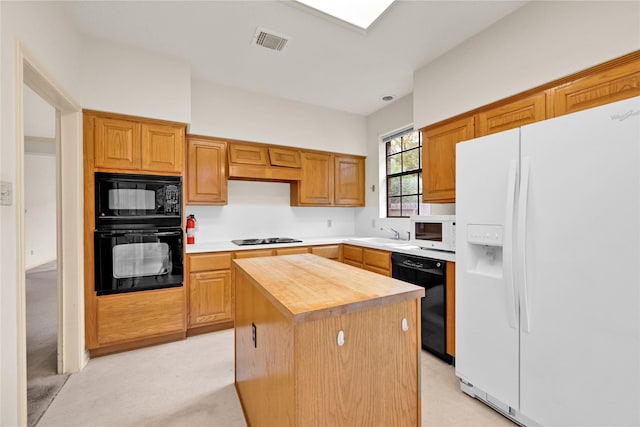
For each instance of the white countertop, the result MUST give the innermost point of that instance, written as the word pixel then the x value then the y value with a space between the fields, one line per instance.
pixel 391 245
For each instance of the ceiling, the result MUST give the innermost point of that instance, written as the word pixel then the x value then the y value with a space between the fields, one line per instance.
pixel 325 62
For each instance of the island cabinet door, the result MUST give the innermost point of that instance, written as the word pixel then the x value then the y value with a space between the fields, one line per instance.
pixel 368 375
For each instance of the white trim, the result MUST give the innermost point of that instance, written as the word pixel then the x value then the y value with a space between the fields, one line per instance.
pixel 20 279
pixel 71 353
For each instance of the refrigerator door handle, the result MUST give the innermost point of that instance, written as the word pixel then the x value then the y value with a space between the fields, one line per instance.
pixel 522 243
pixel 507 244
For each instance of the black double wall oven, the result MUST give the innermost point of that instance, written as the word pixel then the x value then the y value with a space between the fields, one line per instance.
pixel 138 240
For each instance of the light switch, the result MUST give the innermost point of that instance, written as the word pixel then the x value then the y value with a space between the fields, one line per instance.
pixel 6 193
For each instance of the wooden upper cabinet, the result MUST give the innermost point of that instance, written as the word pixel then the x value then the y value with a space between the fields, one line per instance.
pixel 349 180
pixel 516 113
pixel 247 154
pixel 439 158
pixel 284 157
pixel 117 143
pixel 597 88
pixel 262 162
pixel 162 148
pixel 134 144
pixel 316 186
pixel 206 171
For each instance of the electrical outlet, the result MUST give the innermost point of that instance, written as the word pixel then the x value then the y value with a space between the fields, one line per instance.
pixel 373 223
pixel 329 223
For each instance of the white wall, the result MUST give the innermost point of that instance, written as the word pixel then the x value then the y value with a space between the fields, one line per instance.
pixel 538 43
pixel 228 112
pixel 395 116
pixel 40 209
pixel 44 31
pixel 127 80
pixel 262 209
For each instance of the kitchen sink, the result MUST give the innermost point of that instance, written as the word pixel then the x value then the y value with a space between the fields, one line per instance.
pixel 385 242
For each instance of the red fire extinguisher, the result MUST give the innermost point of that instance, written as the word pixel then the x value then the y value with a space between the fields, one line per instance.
pixel 191 229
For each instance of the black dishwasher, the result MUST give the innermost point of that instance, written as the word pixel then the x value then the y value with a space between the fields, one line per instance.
pixel 431 275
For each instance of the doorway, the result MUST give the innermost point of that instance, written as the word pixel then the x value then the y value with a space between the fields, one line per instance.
pixel 71 355
pixel 42 299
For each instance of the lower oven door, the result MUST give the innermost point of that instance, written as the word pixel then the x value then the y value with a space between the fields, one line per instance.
pixel 135 260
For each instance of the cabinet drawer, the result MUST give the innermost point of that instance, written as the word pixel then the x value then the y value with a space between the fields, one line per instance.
pixel 255 253
pixel 137 315
pixel 210 261
pixel 353 253
pixel 331 252
pixel 376 258
pixel 292 251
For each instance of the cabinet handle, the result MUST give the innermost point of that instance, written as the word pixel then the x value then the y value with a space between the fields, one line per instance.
pixel 340 338
pixel 405 324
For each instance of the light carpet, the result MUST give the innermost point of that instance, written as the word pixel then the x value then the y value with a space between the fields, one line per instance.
pixel 190 383
pixel 43 383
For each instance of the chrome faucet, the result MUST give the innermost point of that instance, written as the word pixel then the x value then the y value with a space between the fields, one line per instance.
pixel 396 234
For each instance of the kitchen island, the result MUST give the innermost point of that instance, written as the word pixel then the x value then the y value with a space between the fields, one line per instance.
pixel 322 343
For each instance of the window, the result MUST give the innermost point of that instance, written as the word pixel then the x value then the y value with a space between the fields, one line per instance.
pixel 404 173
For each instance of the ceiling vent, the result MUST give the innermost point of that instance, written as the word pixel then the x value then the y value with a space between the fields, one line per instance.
pixel 269 39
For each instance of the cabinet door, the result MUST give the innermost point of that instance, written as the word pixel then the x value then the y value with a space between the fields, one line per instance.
pixel 206 172
pixel 349 181
pixel 284 157
pixel 439 159
pixel 512 115
pixel 138 315
pixel 316 185
pixel 378 361
pixel 596 89
pixel 117 144
pixel 247 154
pixel 210 298
pixel 162 148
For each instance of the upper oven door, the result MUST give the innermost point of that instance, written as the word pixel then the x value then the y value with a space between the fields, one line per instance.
pixel 128 199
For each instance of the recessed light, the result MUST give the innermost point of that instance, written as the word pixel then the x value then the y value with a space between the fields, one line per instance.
pixel 387 98
pixel 361 13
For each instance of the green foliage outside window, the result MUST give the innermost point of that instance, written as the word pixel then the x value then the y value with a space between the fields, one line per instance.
pixel 404 174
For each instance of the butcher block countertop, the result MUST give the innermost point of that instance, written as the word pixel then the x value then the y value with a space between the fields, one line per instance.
pixel 309 287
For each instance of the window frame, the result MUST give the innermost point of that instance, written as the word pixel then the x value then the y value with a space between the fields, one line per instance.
pixel 389 176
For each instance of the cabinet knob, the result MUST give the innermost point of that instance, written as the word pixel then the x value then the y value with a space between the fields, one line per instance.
pixel 340 338
pixel 405 324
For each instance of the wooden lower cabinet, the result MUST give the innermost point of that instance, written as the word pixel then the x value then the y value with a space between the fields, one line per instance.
pixel 210 290
pixel 293 250
pixel 127 317
pixel 329 251
pixel 352 255
pixel 376 260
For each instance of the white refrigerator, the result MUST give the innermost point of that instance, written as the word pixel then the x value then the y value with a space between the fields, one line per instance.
pixel 548 269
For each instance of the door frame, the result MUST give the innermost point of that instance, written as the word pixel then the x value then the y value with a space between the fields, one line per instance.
pixel 69 201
